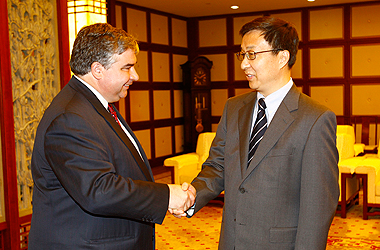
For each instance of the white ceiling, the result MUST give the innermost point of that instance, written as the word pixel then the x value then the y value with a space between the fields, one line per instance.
pixel 196 8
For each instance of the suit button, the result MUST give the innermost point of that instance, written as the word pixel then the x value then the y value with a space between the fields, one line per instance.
pixel 242 190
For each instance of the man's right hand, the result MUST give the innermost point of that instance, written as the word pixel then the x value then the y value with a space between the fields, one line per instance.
pixel 181 198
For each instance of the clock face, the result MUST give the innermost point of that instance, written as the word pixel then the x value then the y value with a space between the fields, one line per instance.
pixel 200 77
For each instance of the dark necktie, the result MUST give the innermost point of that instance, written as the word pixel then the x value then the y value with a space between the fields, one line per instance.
pixel 113 113
pixel 258 130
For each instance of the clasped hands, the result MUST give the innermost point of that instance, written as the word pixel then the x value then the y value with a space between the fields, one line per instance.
pixel 182 197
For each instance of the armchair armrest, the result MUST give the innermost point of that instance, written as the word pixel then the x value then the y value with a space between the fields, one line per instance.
pixel 181 160
pixel 349 165
pixel 359 148
pixel 186 164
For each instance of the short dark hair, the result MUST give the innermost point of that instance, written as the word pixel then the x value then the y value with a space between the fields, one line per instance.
pixel 99 43
pixel 280 34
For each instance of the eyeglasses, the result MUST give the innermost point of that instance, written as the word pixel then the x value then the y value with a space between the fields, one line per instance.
pixel 251 55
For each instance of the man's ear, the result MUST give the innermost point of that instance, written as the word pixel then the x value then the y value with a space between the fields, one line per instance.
pixel 284 56
pixel 97 70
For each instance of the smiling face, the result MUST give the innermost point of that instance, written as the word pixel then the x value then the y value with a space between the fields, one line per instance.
pixel 268 72
pixel 115 81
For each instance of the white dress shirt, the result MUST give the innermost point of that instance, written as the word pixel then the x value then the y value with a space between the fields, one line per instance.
pixel 105 105
pixel 272 102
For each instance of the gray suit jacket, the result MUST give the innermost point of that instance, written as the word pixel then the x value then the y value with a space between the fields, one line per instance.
pixel 287 196
pixel 92 190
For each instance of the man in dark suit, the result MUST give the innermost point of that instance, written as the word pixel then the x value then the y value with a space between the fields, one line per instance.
pixel 283 195
pixel 94 187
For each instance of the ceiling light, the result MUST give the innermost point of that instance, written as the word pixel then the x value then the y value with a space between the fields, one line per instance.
pixel 310 0
pixel 234 7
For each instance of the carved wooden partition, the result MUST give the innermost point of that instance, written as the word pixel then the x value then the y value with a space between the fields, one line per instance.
pixel 23 69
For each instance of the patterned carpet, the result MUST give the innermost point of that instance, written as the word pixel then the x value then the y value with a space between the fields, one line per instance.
pixel 202 231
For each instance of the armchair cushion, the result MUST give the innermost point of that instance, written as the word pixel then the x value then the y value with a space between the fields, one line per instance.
pixel 187 166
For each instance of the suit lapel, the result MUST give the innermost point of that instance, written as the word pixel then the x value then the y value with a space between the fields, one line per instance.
pixel 147 171
pixel 111 121
pixel 244 123
pixel 279 124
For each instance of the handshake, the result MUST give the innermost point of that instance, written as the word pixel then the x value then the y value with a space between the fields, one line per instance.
pixel 182 197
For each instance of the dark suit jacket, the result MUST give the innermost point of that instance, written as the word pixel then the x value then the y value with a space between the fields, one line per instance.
pixel 92 190
pixel 287 197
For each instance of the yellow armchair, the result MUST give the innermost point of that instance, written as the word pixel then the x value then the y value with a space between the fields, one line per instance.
pixel 187 166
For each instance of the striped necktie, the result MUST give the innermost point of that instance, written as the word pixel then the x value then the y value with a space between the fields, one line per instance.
pixel 258 130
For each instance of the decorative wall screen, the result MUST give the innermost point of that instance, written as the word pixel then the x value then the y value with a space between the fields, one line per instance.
pixel 35 79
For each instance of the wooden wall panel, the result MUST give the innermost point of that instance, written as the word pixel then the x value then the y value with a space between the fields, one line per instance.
pixel 218 99
pixel 365 99
pixel 212 32
pixel 161 67
pixel 140 105
pixel 163 141
pixel 179 33
pixel 179 138
pixel 161 104
pixel 136 24
pixel 219 67
pixel 119 17
pixel 365 21
pixel 365 60
pixel 159 26
pixel 178 103
pixel 330 96
pixel 326 24
pixel 178 60
pixel 326 62
pixel 145 140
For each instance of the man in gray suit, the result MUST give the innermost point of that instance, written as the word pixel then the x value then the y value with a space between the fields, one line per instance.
pixel 284 195
pixel 93 186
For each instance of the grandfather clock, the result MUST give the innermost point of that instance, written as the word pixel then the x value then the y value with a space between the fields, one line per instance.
pixel 196 100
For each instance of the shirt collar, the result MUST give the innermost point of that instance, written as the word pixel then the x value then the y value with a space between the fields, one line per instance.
pixel 102 100
pixel 274 100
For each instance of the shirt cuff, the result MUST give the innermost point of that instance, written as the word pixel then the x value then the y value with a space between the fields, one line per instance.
pixel 190 211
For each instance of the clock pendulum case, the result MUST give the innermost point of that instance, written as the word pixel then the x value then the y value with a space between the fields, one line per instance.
pixel 196 100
